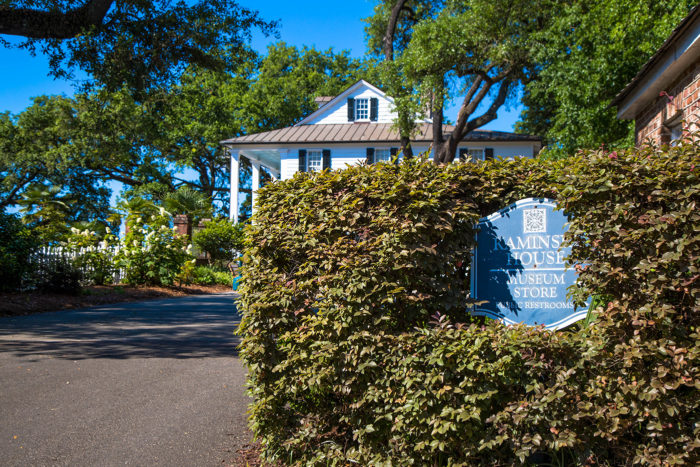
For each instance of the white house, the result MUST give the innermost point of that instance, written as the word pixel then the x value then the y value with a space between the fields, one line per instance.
pixel 350 128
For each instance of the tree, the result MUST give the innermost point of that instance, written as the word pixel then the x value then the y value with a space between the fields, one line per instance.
pixel 196 114
pixel 37 166
pixel 288 79
pixel 146 144
pixel 478 49
pixel 221 240
pixel 45 210
pixel 190 203
pixel 389 30
pixel 29 146
pixel 137 44
pixel 113 138
pixel 588 55
pixel 263 93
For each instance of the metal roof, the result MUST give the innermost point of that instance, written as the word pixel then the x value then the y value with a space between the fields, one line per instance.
pixel 365 132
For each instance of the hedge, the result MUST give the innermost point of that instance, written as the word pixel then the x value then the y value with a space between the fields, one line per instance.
pixel 354 290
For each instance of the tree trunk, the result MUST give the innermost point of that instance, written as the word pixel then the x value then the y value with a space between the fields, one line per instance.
pixel 438 138
pixel 388 39
pixel 406 148
pixel 388 48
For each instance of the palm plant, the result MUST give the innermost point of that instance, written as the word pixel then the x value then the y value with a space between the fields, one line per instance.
pixel 45 209
pixel 137 207
pixel 189 202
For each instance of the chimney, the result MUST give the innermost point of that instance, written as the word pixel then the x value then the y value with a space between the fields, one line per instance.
pixel 323 100
pixel 183 225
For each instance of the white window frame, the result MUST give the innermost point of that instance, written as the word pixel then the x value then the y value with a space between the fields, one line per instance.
pixel 385 152
pixel 473 151
pixel 314 160
pixel 676 133
pixel 362 107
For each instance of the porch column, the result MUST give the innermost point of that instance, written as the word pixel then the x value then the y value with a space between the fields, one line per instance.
pixel 256 182
pixel 235 174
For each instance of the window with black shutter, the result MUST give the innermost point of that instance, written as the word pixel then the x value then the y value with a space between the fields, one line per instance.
pixel 370 155
pixel 488 153
pixel 326 159
pixel 314 160
pixel 302 160
pixel 463 154
pixel 351 109
pixel 373 109
pixel 394 155
pixel 382 155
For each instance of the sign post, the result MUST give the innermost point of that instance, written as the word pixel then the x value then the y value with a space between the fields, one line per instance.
pixel 518 267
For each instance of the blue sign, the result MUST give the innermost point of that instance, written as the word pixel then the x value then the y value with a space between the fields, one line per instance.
pixel 519 269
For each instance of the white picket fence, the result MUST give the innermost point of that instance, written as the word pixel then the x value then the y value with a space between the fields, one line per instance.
pixel 47 257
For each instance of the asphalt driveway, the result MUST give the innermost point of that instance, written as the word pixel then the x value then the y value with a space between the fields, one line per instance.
pixel 148 383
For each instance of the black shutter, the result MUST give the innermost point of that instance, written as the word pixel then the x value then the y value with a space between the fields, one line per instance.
pixel 351 109
pixel 463 154
pixel 373 109
pixel 394 152
pixel 326 158
pixel 302 160
pixel 488 153
pixel 370 155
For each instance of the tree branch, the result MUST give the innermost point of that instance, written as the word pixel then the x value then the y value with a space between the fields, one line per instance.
pixel 388 39
pixel 471 102
pixel 492 112
pixel 12 197
pixel 39 24
pixel 129 181
pixel 463 126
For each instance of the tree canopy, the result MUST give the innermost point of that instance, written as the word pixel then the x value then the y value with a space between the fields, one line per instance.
pixel 37 163
pixel 477 51
pixel 138 44
pixel 590 51
pixel 567 59
pixel 168 140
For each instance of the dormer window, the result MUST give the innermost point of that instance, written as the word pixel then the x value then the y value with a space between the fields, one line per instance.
pixel 363 109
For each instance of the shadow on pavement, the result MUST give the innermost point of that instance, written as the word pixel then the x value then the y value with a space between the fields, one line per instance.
pixel 190 327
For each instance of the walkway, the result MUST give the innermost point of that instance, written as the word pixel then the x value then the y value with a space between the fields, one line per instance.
pixel 149 383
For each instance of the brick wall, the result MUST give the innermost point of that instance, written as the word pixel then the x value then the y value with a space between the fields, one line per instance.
pixel 183 225
pixel 655 121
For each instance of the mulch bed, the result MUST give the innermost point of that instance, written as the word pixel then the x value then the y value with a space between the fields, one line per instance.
pixel 249 456
pixel 17 304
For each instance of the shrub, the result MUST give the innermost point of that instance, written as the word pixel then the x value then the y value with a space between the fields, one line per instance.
pixel 344 270
pixel 220 239
pixel 203 275
pixel 95 257
pixel 152 253
pixel 17 243
pixel 58 275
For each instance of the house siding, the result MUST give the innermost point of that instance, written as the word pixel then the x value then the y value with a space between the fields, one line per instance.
pixel 651 125
pixel 348 155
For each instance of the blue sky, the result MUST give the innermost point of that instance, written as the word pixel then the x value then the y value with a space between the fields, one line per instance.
pixel 321 24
